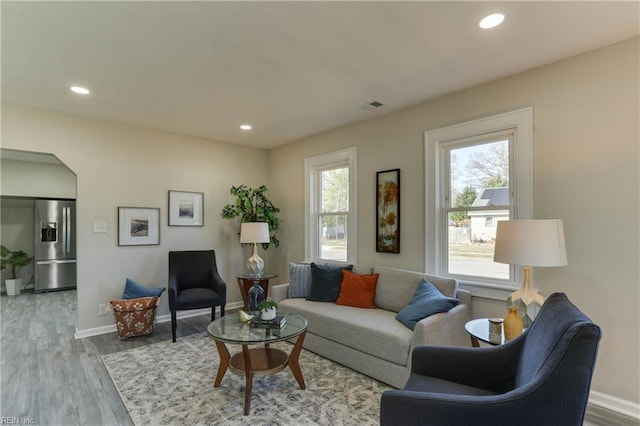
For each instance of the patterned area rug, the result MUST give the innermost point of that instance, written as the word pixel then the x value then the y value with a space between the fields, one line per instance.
pixel 172 383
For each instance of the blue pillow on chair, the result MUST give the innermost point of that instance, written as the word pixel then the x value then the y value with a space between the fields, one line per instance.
pixel 426 301
pixel 133 290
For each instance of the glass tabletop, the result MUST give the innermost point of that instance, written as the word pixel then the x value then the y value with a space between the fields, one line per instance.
pixel 229 329
pixel 264 276
pixel 479 328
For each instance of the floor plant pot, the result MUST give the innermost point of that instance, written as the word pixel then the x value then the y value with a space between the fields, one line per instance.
pixel 13 286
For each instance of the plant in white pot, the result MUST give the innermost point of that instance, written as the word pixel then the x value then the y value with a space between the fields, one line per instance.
pixel 13 260
pixel 267 309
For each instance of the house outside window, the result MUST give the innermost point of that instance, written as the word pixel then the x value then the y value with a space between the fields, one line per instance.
pixel 330 207
pixel 478 174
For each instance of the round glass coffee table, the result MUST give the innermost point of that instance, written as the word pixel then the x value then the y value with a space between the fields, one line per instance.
pixel 257 361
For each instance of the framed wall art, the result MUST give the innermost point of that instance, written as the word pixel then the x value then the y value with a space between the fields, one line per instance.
pixel 388 211
pixel 138 226
pixel 186 208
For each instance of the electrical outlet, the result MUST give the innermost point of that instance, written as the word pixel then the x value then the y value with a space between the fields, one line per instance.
pixel 102 309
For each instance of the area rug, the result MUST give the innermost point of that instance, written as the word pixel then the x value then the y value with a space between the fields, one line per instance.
pixel 172 384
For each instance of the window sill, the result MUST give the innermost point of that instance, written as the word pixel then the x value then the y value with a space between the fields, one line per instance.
pixel 486 290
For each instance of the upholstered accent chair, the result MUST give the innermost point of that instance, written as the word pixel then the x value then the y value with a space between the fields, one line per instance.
pixel 540 378
pixel 194 283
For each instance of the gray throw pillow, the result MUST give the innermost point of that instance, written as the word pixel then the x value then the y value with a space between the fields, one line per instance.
pixel 426 301
pixel 326 281
pixel 299 280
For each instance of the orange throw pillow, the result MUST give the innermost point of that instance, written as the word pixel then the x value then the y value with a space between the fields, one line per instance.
pixel 358 291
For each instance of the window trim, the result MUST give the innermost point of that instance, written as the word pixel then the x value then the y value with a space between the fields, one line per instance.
pixel 312 165
pixel 521 121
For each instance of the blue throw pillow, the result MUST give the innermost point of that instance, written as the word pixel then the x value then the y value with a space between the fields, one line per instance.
pixel 133 290
pixel 426 301
pixel 326 281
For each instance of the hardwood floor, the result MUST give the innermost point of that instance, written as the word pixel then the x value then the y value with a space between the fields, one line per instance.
pixel 49 378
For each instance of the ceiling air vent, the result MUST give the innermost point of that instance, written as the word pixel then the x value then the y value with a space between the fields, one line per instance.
pixel 372 105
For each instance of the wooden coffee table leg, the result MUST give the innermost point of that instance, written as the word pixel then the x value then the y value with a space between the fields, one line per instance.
pixel 249 379
pixel 474 342
pixel 224 363
pixel 293 361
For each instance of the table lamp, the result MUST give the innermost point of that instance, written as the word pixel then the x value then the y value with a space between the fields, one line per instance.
pixel 529 243
pixel 254 233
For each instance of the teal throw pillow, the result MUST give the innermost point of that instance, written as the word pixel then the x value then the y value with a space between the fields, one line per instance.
pixel 426 301
pixel 133 290
pixel 326 281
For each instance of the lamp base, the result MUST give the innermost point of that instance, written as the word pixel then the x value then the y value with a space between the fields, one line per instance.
pixel 255 264
pixel 527 299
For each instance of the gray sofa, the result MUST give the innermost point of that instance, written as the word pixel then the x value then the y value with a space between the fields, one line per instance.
pixel 372 341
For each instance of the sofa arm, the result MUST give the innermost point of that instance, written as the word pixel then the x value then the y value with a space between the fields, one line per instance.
pixel 443 329
pixel 279 292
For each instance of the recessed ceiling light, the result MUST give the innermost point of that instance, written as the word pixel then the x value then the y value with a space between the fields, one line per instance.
pixel 246 127
pixel 491 21
pixel 80 90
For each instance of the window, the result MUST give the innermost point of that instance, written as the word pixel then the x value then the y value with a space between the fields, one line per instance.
pixel 478 173
pixel 330 207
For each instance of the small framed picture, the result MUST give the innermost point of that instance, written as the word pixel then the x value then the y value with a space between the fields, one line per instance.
pixel 138 226
pixel 388 211
pixel 186 208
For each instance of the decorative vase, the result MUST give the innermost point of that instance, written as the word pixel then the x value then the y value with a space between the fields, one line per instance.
pixel 513 324
pixel 268 314
pixel 256 295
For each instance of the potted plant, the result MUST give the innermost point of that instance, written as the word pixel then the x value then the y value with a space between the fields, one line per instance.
pixel 252 205
pixel 267 309
pixel 13 260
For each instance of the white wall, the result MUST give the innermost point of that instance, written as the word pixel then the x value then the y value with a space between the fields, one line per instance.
pixel 120 165
pixel 586 164
pixel 32 179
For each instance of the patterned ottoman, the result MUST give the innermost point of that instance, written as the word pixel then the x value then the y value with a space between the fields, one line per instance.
pixel 134 317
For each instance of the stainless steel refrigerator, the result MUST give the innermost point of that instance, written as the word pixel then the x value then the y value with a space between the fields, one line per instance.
pixel 55 245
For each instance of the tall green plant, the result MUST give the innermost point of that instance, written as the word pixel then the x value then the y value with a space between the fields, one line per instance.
pixel 252 205
pixel 13 260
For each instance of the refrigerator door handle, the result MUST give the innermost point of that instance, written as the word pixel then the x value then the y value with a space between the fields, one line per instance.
pixel 67 233
pixel 64 230
pixel 53 262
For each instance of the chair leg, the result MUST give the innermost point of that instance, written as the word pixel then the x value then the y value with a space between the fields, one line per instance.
pixel 174 321
pixel 213 313
pixel 221 310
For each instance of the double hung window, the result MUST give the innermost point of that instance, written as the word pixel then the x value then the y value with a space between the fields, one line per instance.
pixel 478 173
pixel 330 207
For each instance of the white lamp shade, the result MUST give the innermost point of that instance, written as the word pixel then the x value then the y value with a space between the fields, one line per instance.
pixel 254 232
pixel 530 243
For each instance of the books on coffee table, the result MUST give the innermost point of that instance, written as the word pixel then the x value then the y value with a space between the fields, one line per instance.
pixel 278 322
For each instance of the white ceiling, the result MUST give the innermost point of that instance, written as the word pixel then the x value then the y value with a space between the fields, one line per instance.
pixel 291 69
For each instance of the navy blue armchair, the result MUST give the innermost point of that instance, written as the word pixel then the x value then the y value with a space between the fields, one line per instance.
pixel 540 378
pixel 194 283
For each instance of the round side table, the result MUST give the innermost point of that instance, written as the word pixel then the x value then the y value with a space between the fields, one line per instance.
pixel 478 330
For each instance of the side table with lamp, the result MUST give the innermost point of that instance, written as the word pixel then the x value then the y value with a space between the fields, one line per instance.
pixel 254 285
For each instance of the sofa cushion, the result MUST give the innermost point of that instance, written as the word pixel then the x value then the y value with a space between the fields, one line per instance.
pixel 395 287
pixel 358 291
pixel 371 331
pixel 426 301
pixel 299 280
pixel 325 282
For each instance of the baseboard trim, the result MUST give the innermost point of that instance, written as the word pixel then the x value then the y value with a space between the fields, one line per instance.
pixel 96 331
pixel 611 407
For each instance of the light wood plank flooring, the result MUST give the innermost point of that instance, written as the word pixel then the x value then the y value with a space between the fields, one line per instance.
pixel 51 378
